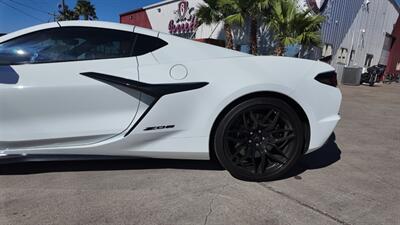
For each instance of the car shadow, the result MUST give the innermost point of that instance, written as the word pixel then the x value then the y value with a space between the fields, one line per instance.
pixel 323 157
pixel 37 167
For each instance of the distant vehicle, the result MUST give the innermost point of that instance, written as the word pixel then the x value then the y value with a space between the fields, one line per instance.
pixel 97 88
pixel 373 75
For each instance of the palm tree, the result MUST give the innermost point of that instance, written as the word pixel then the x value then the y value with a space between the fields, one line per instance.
pixel 281 24
pixel 86 9
pixel 214 12
pixel 308 30
pixel 66 14
pixel 247 9
pixel 292 26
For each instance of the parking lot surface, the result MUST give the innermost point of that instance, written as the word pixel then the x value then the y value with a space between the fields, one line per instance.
pixel 354 179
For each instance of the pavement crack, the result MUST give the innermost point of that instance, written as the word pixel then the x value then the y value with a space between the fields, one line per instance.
pixel 307 206
pixel 212 202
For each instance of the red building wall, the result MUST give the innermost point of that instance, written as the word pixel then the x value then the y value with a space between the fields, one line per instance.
pixel 394 57
pixel 138 18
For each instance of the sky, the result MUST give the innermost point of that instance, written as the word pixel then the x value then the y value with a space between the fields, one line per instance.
pixel 18 14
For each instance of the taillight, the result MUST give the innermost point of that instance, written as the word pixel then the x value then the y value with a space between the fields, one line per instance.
pixel 328 78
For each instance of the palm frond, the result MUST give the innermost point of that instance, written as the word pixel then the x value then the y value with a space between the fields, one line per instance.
pixel 235 19
pixel 291 26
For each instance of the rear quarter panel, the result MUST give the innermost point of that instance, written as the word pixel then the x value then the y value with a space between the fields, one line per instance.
pixel 229 79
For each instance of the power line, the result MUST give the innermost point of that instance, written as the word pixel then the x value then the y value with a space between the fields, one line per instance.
pixel 33 8
pixel 23 12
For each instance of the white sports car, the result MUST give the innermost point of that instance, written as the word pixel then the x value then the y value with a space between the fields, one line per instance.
pixel 97 88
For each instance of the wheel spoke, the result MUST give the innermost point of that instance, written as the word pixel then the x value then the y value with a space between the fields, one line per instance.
pixel 279 151
pixel 281 131
pixel 265 121
pixel 277 158
pixel 254 119
pixel 268 115
pixel 275 120
pixel 237 133
pixel 246 126
pixel 253 160
pixel 286 138
pixel 235 156
pixel 236 140
pixel 261 167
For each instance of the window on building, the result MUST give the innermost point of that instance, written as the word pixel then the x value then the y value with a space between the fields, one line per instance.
pixel 327 50
pixel 342 55
pixel 368 60
pixel 398 66
pixel 351 59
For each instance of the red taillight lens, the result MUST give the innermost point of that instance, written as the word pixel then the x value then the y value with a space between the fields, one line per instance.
pixel 328 78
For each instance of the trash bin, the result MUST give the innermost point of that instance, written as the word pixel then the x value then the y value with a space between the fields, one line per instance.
pixel 351 76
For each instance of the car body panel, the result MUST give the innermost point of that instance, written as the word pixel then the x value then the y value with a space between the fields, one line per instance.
pixel 54 102
pixel 191 114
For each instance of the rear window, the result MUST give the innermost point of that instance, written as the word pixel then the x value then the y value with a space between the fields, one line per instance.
pixel 145 44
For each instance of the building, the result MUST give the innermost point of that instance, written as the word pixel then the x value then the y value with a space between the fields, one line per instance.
pixel 358 33
pixel 176 17
pixel 393 65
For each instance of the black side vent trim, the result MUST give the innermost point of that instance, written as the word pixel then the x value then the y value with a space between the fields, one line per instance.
pixel 155 90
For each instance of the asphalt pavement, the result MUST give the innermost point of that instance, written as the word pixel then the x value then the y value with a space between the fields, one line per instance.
pixel 354 179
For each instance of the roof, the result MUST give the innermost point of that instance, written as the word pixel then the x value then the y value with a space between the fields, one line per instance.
pixel 161 3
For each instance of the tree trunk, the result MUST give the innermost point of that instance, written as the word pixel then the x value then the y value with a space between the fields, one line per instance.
pixel 280 49
pixel 228 36
pixel 253 36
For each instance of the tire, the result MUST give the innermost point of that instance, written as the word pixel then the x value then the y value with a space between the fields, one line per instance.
pixel 259 139
pixel 372 80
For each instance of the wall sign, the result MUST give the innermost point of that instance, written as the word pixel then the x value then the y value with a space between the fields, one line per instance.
pixel 186 21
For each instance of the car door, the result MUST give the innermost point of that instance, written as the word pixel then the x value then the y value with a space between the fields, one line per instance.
pixel 45 101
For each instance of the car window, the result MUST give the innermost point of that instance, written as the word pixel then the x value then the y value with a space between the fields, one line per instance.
pixel 145 44
pixel 67 44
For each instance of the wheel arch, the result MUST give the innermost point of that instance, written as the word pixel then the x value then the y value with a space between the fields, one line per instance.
pixel 295 105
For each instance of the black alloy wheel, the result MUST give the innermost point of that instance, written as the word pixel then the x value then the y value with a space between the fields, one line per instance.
pixel 259 139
